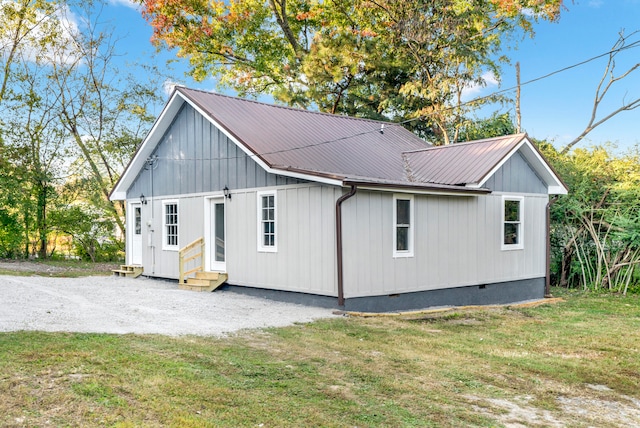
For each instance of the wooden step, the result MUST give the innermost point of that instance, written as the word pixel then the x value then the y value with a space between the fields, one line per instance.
pixel 130 271
pixel 202 284
pixel 212 276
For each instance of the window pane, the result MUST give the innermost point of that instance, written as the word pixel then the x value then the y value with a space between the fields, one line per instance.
pixel 512 210
pixel 511 235
pixel 403 211
pixel 171 223
pixel 219 232
pixel 402 238
pixel 138 220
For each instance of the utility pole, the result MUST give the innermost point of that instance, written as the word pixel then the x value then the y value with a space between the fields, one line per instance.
pixel 518 114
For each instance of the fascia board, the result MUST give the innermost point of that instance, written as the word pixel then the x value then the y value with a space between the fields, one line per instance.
pixel 150 142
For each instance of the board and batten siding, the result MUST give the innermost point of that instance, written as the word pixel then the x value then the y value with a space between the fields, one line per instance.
pixel 194 156
pixel 164 263
pixel 305 231
pixel 306 257
pixel 516 175
pixel 457 243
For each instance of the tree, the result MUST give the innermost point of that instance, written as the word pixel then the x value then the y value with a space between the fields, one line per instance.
pixel 65 107
pixel 379 59
pixel 32 138
pixel 606 83
pixel 494 126
pixel 37 144
pixel 103 109
pixel 25 29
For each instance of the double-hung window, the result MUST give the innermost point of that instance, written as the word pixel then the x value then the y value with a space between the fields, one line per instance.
pixel 403 224
pixel 267 222
pixel 512 222
pixel 170 225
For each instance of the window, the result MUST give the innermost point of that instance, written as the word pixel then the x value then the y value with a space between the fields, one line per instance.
pixel 267 222
pixel 402 226
pixel 512 222
pixel 137 220
pixel 170 225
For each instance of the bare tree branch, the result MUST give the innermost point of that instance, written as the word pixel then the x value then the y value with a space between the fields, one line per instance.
pixel 603 87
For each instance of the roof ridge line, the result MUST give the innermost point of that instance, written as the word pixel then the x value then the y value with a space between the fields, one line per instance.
pixel 468 143
pixel 301 110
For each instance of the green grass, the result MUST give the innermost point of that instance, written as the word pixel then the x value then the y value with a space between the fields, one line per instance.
pixel 451 369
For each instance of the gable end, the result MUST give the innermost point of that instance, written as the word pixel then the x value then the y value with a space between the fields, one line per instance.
pixel 516 175
pixel 194 156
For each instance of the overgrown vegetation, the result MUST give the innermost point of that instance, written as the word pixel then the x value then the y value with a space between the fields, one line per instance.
pixel 567 364
pixel 596 228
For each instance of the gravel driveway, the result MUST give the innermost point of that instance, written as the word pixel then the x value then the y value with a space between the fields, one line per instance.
pixel 123 305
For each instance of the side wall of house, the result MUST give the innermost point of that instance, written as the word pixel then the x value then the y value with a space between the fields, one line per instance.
pixel 305 260
pixel 457 243
pixel 457 240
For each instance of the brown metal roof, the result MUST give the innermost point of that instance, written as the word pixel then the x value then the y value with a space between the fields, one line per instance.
pixel 316 143
pixel 462 163
pixel 350 149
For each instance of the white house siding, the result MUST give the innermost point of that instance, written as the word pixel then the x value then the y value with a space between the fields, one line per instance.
pixel 457 243
pixel 306 257
pixel 164 263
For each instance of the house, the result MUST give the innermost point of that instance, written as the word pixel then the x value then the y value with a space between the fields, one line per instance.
pixel 335 210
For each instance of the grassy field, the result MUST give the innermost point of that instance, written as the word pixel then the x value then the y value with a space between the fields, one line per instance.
pixel 573 363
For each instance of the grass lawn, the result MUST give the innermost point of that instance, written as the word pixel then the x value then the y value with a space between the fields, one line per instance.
pixel 573 363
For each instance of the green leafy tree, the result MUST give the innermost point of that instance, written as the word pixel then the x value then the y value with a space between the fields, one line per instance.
pixel 494 126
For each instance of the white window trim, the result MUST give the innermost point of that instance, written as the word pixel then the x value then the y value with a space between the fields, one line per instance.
pixel 261 247
pixel 165 246
pixel 412 223
pixel 520 244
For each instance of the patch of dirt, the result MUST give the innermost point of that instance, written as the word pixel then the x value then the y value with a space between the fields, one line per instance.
pixel 596 409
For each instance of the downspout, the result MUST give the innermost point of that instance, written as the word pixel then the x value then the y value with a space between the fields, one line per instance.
pixel 547 287
pixel 339 202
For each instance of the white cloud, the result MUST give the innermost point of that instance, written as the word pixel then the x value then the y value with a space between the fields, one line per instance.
pixel 126 3
pixel 473 91
pixel 168 86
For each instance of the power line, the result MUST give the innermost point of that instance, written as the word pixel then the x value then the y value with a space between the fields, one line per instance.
pixel 379 130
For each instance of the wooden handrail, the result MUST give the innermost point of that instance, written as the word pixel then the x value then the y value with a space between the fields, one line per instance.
pixel 183 258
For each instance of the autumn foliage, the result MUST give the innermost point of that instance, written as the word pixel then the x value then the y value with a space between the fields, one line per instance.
pixel 378 59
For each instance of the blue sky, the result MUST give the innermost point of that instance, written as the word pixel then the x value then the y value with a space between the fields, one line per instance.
pixel 555 108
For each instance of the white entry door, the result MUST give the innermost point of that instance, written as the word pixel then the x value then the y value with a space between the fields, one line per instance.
pixel 135 233
pixel 217 256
